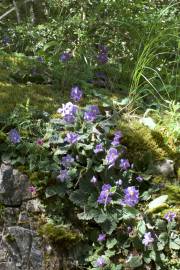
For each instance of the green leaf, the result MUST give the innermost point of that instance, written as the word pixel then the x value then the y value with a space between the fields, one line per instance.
pixel 175 243
pixel 109 226
pixel 50 44
pixel 111 243
pixel 134 261
pixel 100 217
pixel 79 198
pixel 55 190
pixel 141 227
pixel 157 203
pixel 113 189
pixel 99 168
pixel 129 213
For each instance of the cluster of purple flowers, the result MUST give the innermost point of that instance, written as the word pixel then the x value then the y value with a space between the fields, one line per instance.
pixel 72 137
pixel 148 239
pixel 76 93
pixel 117 137
pixel 65 56
pixel 91 113
pixel 14 136
pixel 131 196
pixel 68 112
pixel 67 161
pixel 139 178
pixel 100 262
pixel 63 175
pixel 40 59
pixel 101 237
pixel 170 216
pixel 111 157
pixel 124 164
pixel 98 148
pixel 6 40
pixel 102 56
pixel 105 195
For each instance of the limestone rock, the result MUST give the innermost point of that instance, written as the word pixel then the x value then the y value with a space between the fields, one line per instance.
pixel 13 186
pixel 23 246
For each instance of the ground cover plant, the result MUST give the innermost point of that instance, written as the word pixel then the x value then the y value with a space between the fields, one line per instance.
pixel 78 157
pixel 89 110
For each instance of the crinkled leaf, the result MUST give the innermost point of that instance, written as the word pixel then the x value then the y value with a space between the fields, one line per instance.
pixel 158 202
pixel 55 190
pixel 134 261
pixel 111 243
pixel 175 243
pixel 79 198
pixel 129 212
pixel 141 227
pixel 109 226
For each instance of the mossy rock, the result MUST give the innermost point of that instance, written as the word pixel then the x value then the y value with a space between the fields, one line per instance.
pixel 60 234
pixel 144 146
pixel 173 192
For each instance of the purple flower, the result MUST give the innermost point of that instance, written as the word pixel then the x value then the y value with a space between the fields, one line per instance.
pixel 118 182
pixel 101 237
pixel 94 180
pixel 39 141
pixel 98 148
pixel 76 93
pixel 112 156
pixel 115 141
pixel 101 75
pixel 40 59
pixel 68 112
pixel 63 175
pixel 6 40
pixel 148 239
pixel 139 178
pixel 14 136
pixel 91 113
pixel 67 160
pixel 32 189
pixel 131 196
pixel 72 137
pixel 129 229
pixel 124 164
pixel 103 48
pixel 100 262
pixel 104 197
pixel 65 56
pixel 170 216
pixel 118 134
pixel 102 58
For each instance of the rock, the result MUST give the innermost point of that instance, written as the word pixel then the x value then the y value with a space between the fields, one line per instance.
pixel 13 186
pixel 24 248
pixel 34 206
pixel 165 168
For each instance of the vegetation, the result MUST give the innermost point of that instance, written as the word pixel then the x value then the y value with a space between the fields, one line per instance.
pixel 90 111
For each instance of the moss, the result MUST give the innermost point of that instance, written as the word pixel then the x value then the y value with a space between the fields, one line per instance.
pixel 41 96
pixel 173 192
pixel 143 147
pixel 2 209
pixel 60 234
pixel 2 136
pixel 10 238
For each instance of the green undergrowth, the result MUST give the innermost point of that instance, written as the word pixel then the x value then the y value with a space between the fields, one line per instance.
pixel 60 233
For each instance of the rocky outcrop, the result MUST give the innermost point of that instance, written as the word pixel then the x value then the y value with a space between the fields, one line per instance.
pixel 21 247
